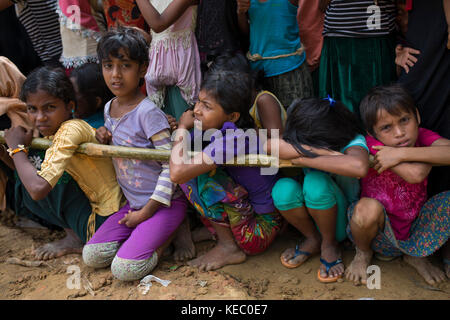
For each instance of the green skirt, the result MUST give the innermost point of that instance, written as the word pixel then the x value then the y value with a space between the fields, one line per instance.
pixel 65 206
pixel 350 67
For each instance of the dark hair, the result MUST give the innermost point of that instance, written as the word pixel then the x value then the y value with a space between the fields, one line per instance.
pixel 90 83
pixel 393 99
pixel 52 80
pixel 131 40
pixel 232 92
pixel 320 124
pixel 238 63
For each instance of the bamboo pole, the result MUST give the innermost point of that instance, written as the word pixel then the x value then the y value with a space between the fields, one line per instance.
pixel 102 150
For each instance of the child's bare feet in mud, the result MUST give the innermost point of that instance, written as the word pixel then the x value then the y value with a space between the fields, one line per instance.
pixel 430 273
pixel 224 253
pixel 70 244
pixel 357 270
pixel 330 253
pixel 202 234
pixel 183 245
pixel 294 258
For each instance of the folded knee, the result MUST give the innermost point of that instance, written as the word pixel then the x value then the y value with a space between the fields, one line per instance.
pixel 99 255
pixel 318 191
pixel 287 194
pixel 367 213
pixel 130 270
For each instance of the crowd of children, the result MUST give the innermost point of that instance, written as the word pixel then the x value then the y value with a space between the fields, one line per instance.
pixel 156 74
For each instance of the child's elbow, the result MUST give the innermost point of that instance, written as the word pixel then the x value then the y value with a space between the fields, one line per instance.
pixel 416 175
pixel 176 176
pixel 361 168
pixel 37 195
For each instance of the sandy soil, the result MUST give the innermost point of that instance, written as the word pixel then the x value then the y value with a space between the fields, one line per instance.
pixel 260 277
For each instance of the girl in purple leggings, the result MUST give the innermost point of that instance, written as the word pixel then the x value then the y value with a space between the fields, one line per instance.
pixel 132 239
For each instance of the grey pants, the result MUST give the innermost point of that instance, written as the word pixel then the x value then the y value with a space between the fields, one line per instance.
pixel 101 255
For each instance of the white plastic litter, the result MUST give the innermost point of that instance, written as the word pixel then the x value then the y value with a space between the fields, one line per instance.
pixel 366 299
pixel 146 283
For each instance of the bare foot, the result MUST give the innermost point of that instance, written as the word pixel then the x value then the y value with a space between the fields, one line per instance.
pixel 430 273
pixel 330 252
pixel 357 270
pixel 224 253
pixel 446 258
pixel 310 245
pixel 183 245
pixel 202 234
pixel 70 244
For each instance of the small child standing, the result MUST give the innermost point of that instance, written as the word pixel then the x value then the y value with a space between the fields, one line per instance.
pixel 394 216
pixel 173 76
pixel 91 93
pixel 275 47
pixel 133 239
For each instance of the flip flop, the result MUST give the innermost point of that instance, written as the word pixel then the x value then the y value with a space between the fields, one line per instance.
pixel 328 266
pixel 296 254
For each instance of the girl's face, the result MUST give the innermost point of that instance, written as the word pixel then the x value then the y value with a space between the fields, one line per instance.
pixel 397 131
pixel 47 112
pixel 210 113
pixel 122 75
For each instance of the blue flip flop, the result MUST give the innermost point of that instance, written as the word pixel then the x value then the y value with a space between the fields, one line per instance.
pixel 328 266
pixel 296 254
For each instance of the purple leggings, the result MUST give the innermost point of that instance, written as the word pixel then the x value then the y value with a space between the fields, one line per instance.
pixel 139 243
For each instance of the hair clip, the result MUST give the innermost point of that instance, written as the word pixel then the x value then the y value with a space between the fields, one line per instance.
pixel 331 100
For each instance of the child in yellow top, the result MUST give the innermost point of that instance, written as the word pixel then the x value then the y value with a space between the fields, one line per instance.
pixel 50 100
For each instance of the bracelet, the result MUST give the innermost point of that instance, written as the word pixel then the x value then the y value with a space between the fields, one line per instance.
pixel 19 148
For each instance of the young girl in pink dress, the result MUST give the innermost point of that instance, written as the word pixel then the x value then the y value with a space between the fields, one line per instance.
pixel 394 216
pixel 173 75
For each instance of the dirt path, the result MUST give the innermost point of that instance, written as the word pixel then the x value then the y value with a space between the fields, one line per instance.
pixel 260 277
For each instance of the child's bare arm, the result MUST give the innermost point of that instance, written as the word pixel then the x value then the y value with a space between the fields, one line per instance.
pixel 447 17
pixel 287 152
pixel 103 135
pixel 5 4
pixel 409 170
pixel 182 167
pixel 242 8
pixel 134 218
pixel 269 113
pixel 4 156
pixel 353 163
pixel 37 187
pixel 160 22
pixel 437 154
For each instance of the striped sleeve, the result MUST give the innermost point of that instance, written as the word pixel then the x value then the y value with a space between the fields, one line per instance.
pixel 164 187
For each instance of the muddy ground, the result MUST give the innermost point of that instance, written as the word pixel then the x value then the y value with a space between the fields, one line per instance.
pixel 260 277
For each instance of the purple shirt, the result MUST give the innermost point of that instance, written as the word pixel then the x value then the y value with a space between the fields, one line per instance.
pixel 137 178
pixel 259 186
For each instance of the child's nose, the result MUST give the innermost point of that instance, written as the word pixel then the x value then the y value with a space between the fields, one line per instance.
pixel 398 131
pixel 116 72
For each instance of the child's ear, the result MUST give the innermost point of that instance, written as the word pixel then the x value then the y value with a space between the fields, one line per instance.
pixel 418 117
pixel 71 107
pixel 143 69
pixel 234 116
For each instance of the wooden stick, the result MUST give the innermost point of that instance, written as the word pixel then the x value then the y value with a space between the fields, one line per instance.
pixel 103 150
